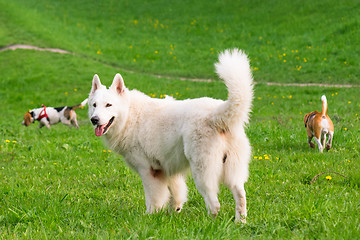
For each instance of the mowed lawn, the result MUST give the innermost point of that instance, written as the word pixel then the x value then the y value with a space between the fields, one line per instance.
pixel 64 183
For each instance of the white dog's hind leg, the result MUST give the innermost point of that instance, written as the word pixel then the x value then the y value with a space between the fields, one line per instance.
pixel 178 191
pixel 156 189
pixel 240 202
pixel 206 174
pixel 236 174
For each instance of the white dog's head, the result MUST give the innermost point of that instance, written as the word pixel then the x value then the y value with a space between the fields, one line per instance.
pixel 108 106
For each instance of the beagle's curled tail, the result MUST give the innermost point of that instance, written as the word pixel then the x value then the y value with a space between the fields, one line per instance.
pixel 82 104
pixel 324 106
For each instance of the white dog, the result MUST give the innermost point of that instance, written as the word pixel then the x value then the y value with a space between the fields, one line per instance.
pixel 161 138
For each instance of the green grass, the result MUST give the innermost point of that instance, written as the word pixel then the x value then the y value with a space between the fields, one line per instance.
pixel 288 41
pixel 63 183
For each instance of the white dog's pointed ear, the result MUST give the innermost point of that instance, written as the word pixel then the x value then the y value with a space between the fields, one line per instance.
pixel 96 84
pixel 118 84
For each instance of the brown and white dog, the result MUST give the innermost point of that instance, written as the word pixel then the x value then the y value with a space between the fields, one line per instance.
pixel 49 116
pixel 319 125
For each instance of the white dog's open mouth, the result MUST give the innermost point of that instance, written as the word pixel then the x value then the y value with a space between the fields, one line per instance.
pixel 101 129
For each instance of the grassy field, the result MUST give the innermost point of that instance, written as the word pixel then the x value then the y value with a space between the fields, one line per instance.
pixel 64 183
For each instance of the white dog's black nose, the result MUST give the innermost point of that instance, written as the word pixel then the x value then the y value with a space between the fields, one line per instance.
pixel 95 120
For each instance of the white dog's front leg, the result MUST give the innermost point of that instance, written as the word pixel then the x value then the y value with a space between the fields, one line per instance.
pixel 156 189
pixel 178 191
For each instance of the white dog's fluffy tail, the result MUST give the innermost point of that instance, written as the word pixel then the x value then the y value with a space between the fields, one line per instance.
pixel 234 69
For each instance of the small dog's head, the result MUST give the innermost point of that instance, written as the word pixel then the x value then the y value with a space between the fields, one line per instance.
pixel 28 118
pixel 107 106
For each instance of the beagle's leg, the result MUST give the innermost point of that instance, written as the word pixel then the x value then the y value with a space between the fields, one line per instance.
pixel 317 137
pixel 311 144
pixel 44 122
pixel 329 142
pixel 73 119
pixel 323 139
pixel 321 148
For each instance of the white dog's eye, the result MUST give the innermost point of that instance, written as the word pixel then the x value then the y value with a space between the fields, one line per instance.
pixel 108 105
pixel 94 105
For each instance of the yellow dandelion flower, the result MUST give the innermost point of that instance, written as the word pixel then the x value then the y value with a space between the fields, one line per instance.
pixel 266 158
pixel 255 157
pixel 256 68
pixel 99 52
pixel 14 142
pixel 284 60
pixel 109 151
pixel 104 151
pixel 134 60
pixel 130 46
pixel 66 93
pixel 75 90
pixel 55 163
pixel 328 178
pixel 259 98
pixel 290 96
pixel 349 102
pixel 7 141
pixel 156 51
pixel 260 158
pixel 277 158
pixel 345 129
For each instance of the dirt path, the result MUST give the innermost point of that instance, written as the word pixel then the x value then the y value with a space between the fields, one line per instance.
pixel 57 50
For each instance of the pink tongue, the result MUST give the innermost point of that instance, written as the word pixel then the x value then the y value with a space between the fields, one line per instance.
pixel 99 130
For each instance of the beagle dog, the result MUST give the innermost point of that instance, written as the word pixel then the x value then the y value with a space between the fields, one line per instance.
pixel 48 115
pixel 319 125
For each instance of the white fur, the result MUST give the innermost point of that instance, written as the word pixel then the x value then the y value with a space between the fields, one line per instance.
pixel 161 138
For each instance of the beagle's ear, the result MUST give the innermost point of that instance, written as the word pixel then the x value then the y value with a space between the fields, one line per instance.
pixel 118 84
pixel 96 84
